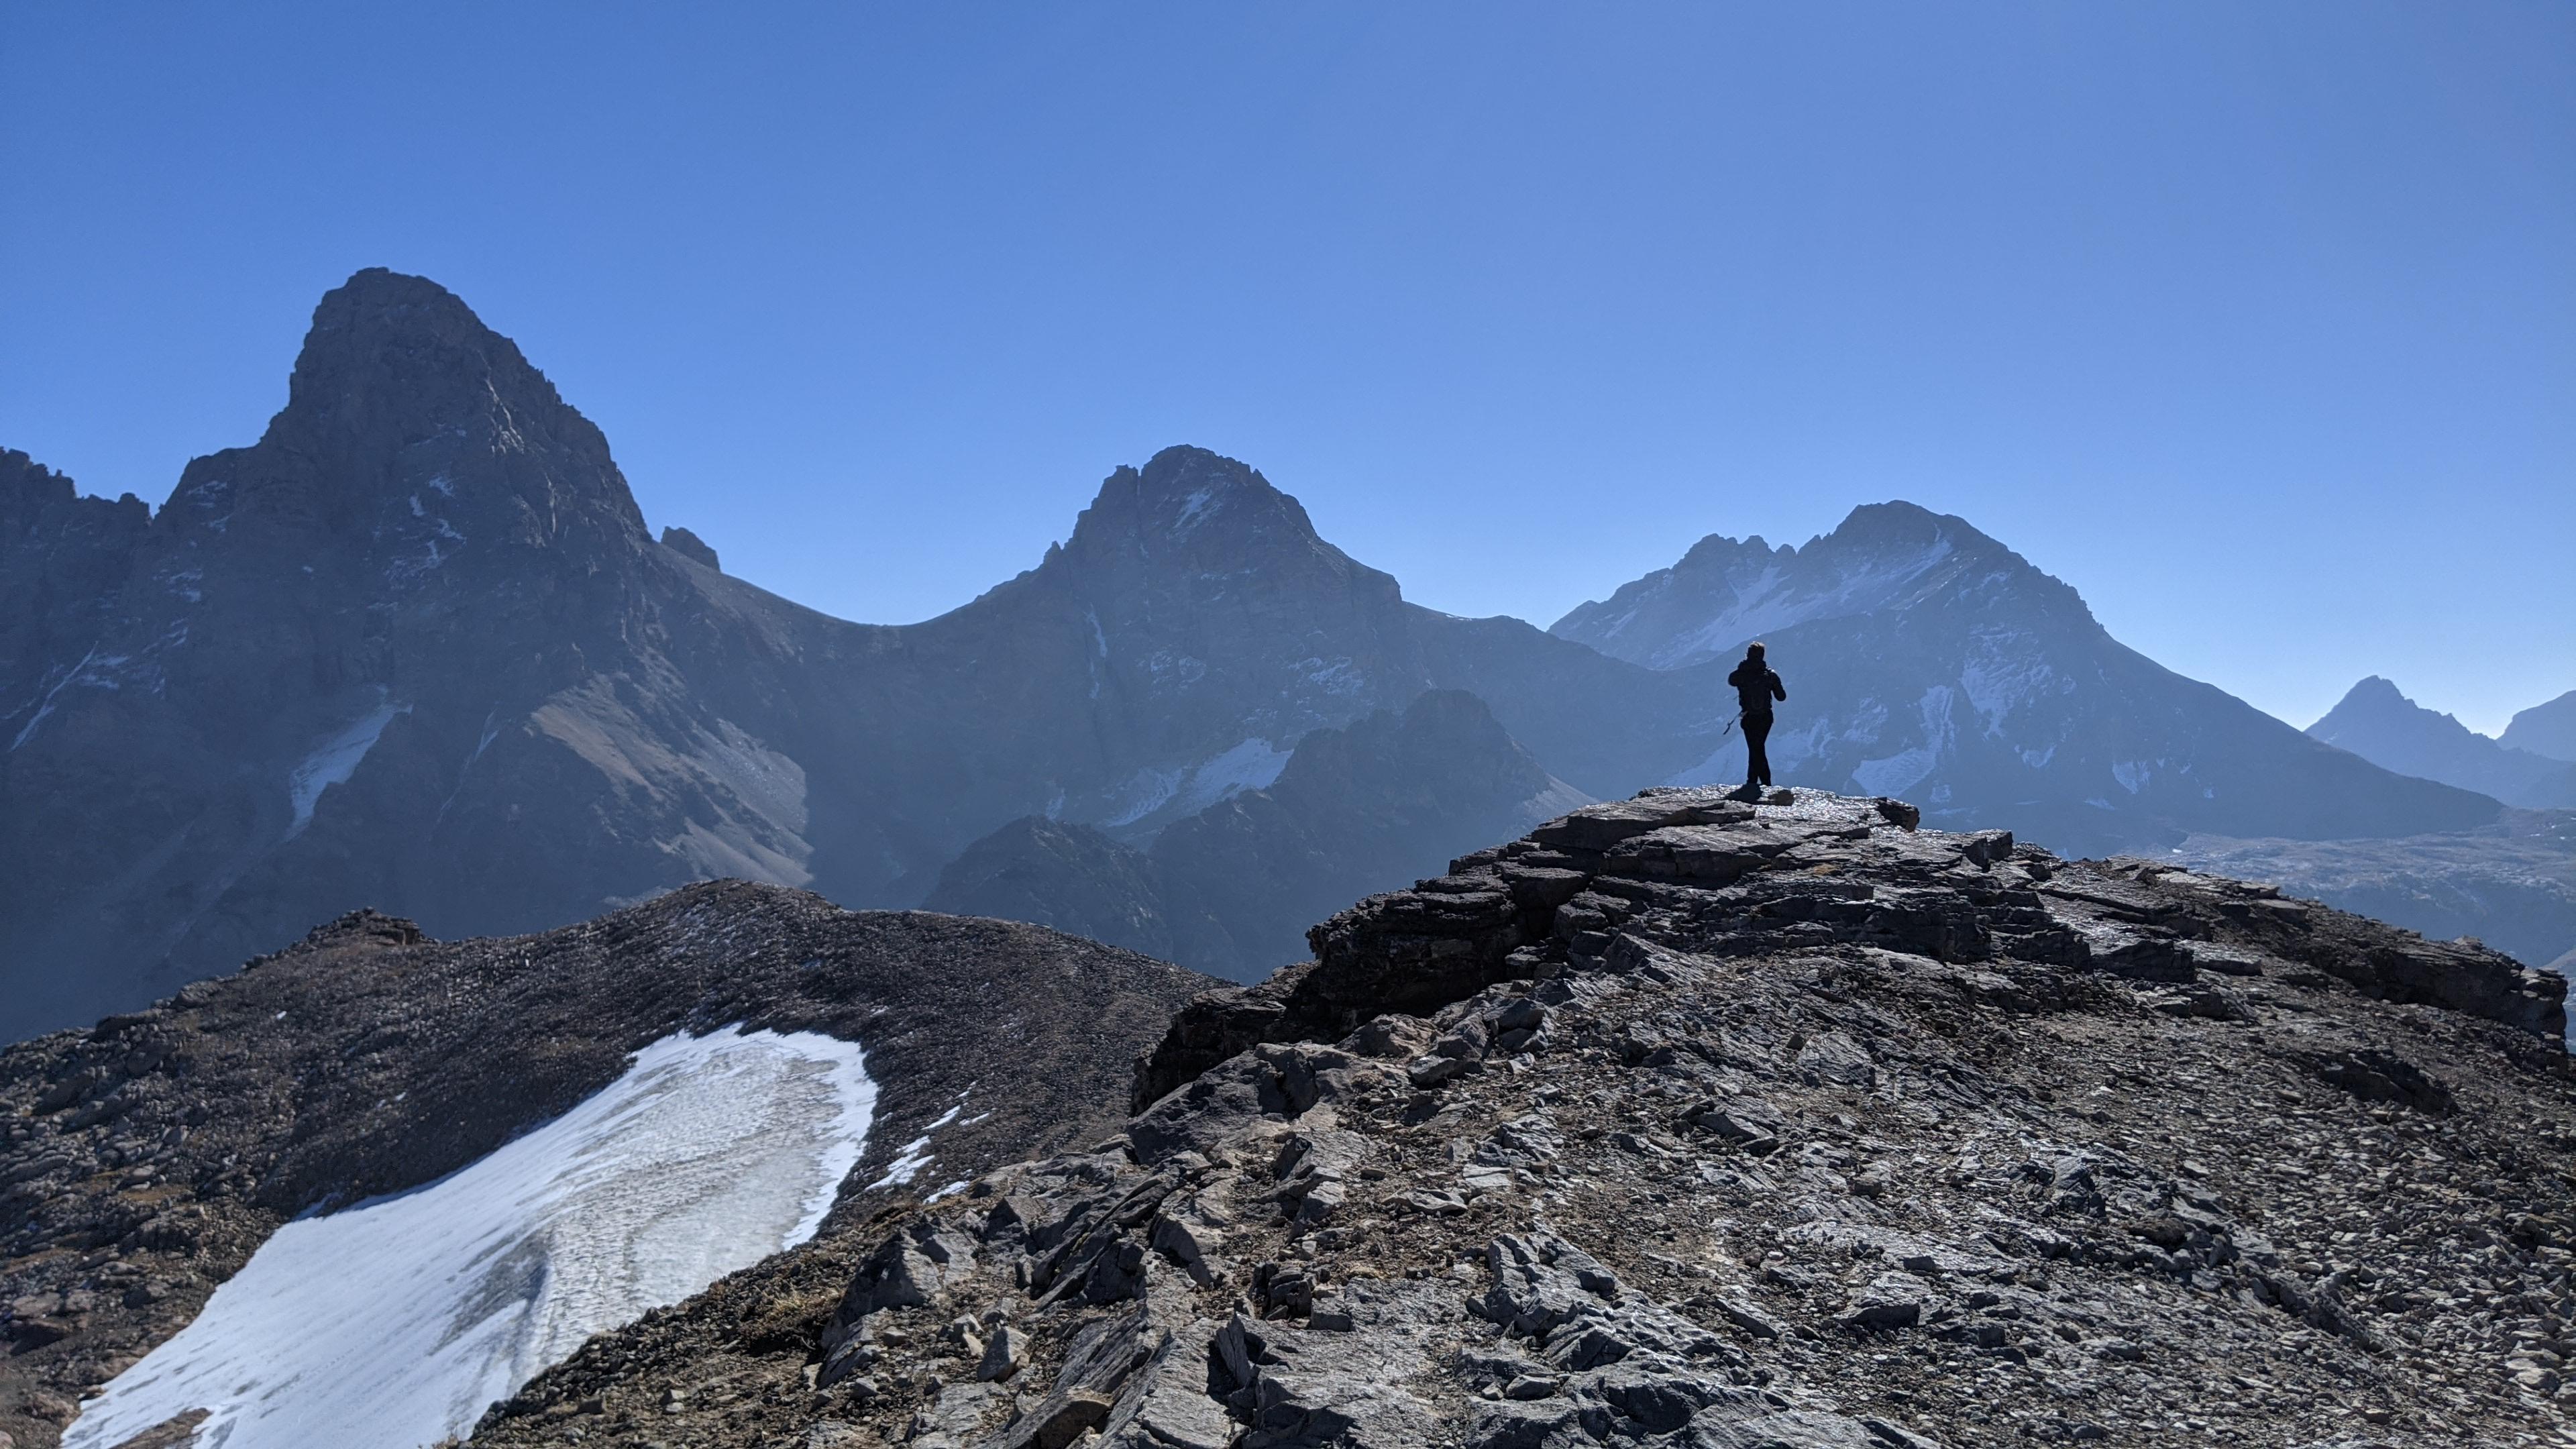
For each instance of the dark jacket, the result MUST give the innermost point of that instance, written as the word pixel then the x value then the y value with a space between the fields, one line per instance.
pixel 1756 685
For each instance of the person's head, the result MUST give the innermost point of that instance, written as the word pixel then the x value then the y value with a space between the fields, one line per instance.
pixel 1753 652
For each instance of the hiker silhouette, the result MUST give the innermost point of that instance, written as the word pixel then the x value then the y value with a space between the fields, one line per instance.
pixel 1755 687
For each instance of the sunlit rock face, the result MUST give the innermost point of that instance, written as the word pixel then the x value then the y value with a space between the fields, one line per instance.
pixel 398 1321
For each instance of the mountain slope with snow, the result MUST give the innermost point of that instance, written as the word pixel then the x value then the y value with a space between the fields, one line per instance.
pixel 506 1144
pixel 1927 660
pixel 415 648
pixel 707 1156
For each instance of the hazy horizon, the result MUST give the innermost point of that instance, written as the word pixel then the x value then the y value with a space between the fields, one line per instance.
pixel 2254 327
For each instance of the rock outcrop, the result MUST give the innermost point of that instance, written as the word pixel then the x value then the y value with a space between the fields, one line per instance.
pixel 142 1161
pixel 2510 885
pixel 1690 1121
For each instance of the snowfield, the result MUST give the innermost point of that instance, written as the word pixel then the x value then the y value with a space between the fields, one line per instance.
pixel 396 1322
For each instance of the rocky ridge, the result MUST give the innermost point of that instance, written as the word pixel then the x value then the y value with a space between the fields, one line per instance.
pixel 2380 724
pixel 2547 729
pixel 1690 1120
pixel 142 1161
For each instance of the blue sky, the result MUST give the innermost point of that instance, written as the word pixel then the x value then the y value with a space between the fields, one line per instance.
pixel 2255 323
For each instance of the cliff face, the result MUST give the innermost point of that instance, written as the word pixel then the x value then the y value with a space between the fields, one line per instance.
pixel 1687 1122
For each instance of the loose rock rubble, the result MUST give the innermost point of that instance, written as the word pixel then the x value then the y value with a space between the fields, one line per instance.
pixel 1691 1122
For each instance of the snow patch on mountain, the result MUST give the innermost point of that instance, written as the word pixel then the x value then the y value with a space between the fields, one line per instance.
pixel 395 1323
pixel 334 761
pixel 1251 764
pixel 2007 671
pixel 1895 774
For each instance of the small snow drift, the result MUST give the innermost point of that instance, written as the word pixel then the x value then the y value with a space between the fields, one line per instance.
pixel 397 1322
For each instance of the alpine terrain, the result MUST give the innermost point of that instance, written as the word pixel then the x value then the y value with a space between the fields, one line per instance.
pixel 370 1185
pixel 415 649
pixel 1683 1121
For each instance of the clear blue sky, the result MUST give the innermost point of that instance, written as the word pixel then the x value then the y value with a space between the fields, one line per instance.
pixel 2257 323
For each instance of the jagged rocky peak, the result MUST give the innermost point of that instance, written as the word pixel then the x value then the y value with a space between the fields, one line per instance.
pixel 1191 508
pixel 1724 592
pixel 691 547
pixel 39 507
pixel 406 412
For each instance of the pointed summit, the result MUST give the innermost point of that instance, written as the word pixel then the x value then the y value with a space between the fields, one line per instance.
pixel 407 416
pixel 2376 721
pixel 1199 509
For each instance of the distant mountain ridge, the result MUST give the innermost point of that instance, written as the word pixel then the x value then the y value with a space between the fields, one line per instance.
pixel 2379 723
pixel 416 649
pixel 1925 659
pixel 2548 730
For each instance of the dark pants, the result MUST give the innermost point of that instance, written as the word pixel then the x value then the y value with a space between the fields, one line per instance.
pixel 1757 762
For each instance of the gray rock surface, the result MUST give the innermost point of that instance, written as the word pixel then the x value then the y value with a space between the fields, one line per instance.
pixel 2511 885
pixel 1997 1195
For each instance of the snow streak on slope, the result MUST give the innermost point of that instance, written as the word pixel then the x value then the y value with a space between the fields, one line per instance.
pixel 395 1323
pixel 333 762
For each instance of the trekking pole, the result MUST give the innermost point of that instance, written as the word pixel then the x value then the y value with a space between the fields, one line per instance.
pixel 1730 725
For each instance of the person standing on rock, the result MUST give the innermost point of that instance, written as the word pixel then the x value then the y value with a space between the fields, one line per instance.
pixel 1756 685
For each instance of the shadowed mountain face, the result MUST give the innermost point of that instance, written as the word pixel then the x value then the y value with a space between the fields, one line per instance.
pixel 2386 728
pixel 1925 659
pixel 415 649
pixel 2548 730
pixel 1232 889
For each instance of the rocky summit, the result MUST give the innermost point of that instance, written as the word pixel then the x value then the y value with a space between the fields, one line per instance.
pixel 1695 1120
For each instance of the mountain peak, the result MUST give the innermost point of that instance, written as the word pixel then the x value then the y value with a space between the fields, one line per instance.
pixel 2375 692
pixel 2376 721
pixel 406 414
pixel 1882 556
pixel 1200 511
